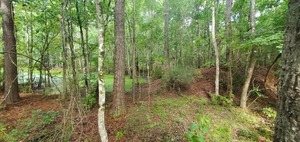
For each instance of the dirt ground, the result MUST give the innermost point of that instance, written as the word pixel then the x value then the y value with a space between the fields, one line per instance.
pixel 202 86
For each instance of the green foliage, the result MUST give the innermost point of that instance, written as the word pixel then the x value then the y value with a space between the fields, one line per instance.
pixel 255 91
pixel 248 134
pixel 198 73
pixel 4 136
pixel 208 64
pixel 46 118
pixel 269 112
pixel 157 73
pixel 39 120
pixel 120 134
pixel 178 77
pixel 197 130
pixel 221 100
pixel 89 101
pixel 164 117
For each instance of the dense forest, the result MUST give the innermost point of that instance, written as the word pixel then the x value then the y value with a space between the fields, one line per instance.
pixel 150 70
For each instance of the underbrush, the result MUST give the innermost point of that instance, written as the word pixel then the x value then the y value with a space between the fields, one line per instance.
pixel 194 119
pixel 39 127
pixel 177 78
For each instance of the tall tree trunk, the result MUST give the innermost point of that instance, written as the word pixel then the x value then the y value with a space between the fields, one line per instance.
pixel 28 47
pixel 287 123
pixel 73 55
pixel 83 49
pixel 134 75
pixel 101 85
pixel 213 35
pixel 30 62
pixel 11 90
pixel 64 47
pixel 119 73
pixel 166 36
pixel 228 49
pixel 87 51
pixel 252 59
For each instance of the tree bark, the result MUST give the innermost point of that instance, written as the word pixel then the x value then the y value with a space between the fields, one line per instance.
pixel 213 34
pixel 101 84
pixel 31 67
pixel 244 96
pixel 75 86
pixel 11 89
pixel 229 44
pixel 83 49
pixel 64 48
pixel 287 123
pixel 134 75
pixel 87 51
pixel 252 60
pixel 119 71
pixel 166 36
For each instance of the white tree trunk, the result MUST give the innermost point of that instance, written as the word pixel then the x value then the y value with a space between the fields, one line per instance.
pixel 213 34
pixel 101 88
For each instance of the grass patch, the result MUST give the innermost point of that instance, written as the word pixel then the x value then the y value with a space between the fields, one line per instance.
pixel 109 83
pixel 173 119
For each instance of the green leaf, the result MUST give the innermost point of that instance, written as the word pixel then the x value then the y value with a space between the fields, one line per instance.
pixel 195 139
pixel 189 135
pixel 193 127
pixel 199 134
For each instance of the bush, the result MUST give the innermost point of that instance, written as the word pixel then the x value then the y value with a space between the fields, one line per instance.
pixel 157 73
pixel 177 78
pixel 269 112
pixel 221 100
pixel 89 101
pixel 197 130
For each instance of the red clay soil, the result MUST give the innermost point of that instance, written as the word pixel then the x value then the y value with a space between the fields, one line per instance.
pixel 269 89
pixel 204 85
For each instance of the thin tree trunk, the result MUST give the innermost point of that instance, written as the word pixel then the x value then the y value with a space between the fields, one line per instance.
pixel 252 60
pixel 101 85
pixel 83 49
pixel 28 47
pixel 119 73
pixel 65 54
pixel 73 56
pixel 41 71
pixel 166 36
pixel 134 75
pixel 87 51
pixel 128 61
pixel 11 90
pixel 30 62
pixel 213 34
pixel 228 49
pixel 48 68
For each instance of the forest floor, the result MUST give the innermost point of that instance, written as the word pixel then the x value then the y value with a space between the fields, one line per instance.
pixel 158 115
